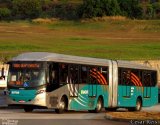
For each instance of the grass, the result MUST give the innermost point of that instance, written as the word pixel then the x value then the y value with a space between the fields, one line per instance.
pixel 113 39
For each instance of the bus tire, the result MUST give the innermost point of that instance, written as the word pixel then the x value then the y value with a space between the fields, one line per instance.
pixel 62 106
pixel 28 109
pixel 99 105
pixel 91 111
pixel 138 105
pixel 110 109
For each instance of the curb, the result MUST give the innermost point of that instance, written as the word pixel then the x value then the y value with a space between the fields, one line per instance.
pixel 110 117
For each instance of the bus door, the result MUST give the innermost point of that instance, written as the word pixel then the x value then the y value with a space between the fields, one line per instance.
pixel 126 91
pixel 147 84
pixel 74 90
pixel 93 76
pixel 147 92
pixel 126 81
pixel 73 80
pixel 92 90
pixel 53 77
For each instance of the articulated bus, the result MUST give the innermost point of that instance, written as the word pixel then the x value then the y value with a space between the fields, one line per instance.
pixel 64 82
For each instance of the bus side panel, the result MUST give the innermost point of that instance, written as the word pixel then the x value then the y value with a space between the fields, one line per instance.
pixel 81 101
pixel 102 90
pixel 153 96
pixel 86 102
pixel 78 96
pixel 127 95
pixel 106 95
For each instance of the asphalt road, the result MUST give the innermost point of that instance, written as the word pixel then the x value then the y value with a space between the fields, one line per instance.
pixel 49 117
pixel 2 98
pixel 155 108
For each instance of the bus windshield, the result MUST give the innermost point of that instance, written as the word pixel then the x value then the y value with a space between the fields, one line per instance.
pixel 26 77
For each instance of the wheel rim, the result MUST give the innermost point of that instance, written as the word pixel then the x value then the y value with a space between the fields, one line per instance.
pixel 62 105
pixel 99 106
pixel 138 105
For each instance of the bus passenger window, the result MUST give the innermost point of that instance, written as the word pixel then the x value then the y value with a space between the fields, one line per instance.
pixel 136 79
pixel 126 77
pixel 105 74
pixel 146 78
pixel 63 73
pixel 153 78
pixel 98 75
pixel 93 75
pixel 84 74
pixel 53 73
pixel 73 74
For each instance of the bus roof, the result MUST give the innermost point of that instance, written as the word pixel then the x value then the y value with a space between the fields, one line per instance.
pixel 46 56
pixel 129 64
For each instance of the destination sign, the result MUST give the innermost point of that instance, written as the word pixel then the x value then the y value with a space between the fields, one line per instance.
pixel 33 65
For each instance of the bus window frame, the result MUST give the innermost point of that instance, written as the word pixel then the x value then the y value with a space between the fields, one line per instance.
pixel 69 72
pixel 124 81
pixel 87 78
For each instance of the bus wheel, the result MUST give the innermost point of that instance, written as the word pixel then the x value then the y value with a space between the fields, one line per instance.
pixel 91 111
pixel 110 109
pixel 99 106
pixel 62 106
pixel 138 105
pixel 28 109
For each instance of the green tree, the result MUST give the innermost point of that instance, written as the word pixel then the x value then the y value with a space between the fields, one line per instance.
pixel 156 7
pixel 94 8
pixel 150 12
pixel 111 7
pixel 5 13
pixel 26 8
pixel 88 10
pixel 131 8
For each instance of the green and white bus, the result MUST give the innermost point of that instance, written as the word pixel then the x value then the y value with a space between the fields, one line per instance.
pixel 64 82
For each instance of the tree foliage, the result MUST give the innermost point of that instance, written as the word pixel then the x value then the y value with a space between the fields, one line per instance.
pixel 64 9
pixel 156 7
pixel 5 13
pixel 94 8
pixel 130 8
pixel 26 8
